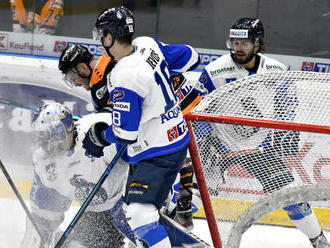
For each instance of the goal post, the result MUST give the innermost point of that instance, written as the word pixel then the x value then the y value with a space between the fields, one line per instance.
pixel 254 140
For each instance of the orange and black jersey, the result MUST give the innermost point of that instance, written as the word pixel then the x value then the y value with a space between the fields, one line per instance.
pixel 186 93
pixel 98 83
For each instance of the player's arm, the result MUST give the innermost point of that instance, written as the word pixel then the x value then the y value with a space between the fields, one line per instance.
pixel 47 210
pixel 185 92
pixel 98 84
pixel 180 58
pixel 126 116
pixel 206 85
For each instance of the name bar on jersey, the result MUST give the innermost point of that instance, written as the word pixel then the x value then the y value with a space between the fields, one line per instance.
pixel 239 33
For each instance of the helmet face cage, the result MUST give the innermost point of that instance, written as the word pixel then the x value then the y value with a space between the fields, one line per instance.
pixel 69 78
pixel 118 21
pixel 51 125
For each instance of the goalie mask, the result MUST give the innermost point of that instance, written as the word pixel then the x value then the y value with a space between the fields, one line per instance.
pixel 246 33
pixel 52 123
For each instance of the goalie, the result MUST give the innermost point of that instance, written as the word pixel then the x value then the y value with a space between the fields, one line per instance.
pixel 62 173
pixel 263 150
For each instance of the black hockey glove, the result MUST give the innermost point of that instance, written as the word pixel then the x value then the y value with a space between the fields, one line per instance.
pixel 286 142
pixel 93 142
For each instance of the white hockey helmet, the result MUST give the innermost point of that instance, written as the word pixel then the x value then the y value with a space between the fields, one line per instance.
pixel 52 123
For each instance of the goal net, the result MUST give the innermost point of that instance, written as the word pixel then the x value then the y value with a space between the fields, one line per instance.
pixel 259 144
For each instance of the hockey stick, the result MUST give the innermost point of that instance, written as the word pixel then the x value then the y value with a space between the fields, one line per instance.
pixel 28 107
pixel 18 195
pixel 90 197
pixel 18 105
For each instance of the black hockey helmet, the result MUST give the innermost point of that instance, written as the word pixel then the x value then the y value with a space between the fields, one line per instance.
pixel 248 28
pixel 119 21
pixel 72 56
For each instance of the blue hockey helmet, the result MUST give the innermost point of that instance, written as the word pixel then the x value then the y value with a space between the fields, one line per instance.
pixel 118 21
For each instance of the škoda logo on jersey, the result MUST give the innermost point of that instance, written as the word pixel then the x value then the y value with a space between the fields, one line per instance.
pixel 123 106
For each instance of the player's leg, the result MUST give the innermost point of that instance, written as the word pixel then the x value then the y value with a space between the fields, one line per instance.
pixel 148 187
pixel 303 217
pixel 183 212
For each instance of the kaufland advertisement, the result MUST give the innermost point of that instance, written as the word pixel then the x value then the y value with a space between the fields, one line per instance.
pixel 52 46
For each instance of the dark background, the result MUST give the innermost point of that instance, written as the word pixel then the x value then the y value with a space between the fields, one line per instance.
pixel 294 27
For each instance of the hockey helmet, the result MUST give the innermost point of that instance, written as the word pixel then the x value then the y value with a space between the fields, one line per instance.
pixel 72 56
pixel 247 28
pixel 52 123
pixel 119 21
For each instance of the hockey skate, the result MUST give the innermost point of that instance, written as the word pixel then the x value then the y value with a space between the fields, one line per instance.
pixel 183 212
pixel 320 242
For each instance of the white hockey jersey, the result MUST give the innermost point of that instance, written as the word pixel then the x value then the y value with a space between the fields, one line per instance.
pixel 146 112
pixel 224 70
pixel 252 102
pixel 71 176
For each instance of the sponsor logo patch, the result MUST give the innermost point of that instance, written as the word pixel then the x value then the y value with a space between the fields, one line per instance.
pixel 220 70
pixel 123 106
pixel 239 33
pixel 173 113
pixel 176 131
pixel 101 92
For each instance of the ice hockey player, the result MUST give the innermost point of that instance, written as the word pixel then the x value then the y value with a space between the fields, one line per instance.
pixel 146 116
pixel 80 68
pixel 40 17
pixel 245 44
pixel 62 173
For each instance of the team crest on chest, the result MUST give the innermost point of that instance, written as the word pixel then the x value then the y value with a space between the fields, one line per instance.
pixel 51 172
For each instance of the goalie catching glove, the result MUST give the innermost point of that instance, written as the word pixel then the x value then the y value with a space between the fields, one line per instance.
pixel 94 142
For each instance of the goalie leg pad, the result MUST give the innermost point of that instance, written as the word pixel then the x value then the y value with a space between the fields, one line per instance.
pixel 104 233
pixel 298 211
pixel 303 217
pixel 143 219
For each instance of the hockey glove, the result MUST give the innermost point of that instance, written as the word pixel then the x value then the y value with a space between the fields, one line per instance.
pixel 286 142
pixel 93 142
